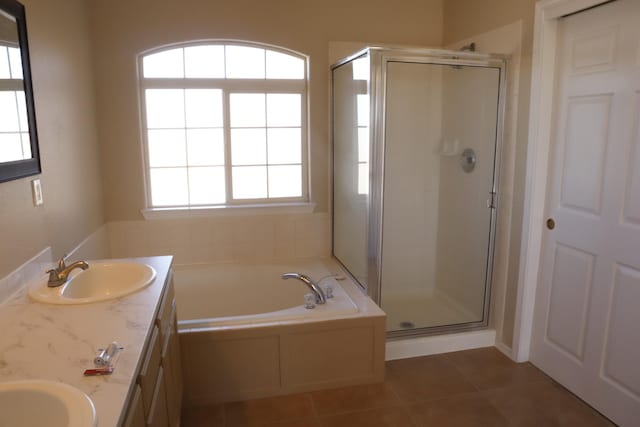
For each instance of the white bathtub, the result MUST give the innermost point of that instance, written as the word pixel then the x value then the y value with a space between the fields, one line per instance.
pixel 245 334
pixel 251 293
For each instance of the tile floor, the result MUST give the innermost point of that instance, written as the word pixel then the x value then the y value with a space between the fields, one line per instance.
pixel 468 388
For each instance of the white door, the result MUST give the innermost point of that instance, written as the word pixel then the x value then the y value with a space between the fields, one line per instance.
pixel 587 315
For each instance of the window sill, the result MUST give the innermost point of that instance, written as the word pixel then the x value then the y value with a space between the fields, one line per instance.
pixel 234 210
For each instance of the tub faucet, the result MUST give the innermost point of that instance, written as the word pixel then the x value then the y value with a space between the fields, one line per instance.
pixel 315 289
pixel 58 276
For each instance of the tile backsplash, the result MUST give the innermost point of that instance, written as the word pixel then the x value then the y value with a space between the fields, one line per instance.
pixel 224 239
pixel 193 241
pixel 25 274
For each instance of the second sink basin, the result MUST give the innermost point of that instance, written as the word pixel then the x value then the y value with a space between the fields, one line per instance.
pixel 100 282
pixel 35 403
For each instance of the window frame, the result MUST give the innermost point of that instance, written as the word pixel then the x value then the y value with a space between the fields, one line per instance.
pixel 229 86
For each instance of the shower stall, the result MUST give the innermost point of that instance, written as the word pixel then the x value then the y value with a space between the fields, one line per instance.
pixel 416 152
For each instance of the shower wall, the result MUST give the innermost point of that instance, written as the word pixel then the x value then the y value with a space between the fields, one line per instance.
pixel 412 180
pixel 468 121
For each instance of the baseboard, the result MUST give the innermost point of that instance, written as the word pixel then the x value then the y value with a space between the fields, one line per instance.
pixel 506 350
pixel 425 346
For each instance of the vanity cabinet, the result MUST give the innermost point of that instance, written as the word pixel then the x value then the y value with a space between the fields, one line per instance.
pixel 157 399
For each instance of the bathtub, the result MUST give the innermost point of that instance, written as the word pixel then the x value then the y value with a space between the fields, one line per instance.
pixel 245 333
pixel 236 294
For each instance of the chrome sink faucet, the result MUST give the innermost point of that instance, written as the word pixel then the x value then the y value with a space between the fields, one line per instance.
pixel 315 289
pixel 58 276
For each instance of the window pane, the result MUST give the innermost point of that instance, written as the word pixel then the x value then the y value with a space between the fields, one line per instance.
pixel 285 181
pixel 363 145
pixel 165 108
pixel 26 146
pixel 363 178
pixel 8 112
pixel 169 187
pixel 363 110
pixel 206 186
pixel 248 147
pixel 204 62
pixel 22 111
pixel 167 64
pixel 204 108
pixel 205 147
pixel 361 68
pixel 4 63
pixel 10 147
pixel 167 148
pixel 285 145
pixel 249 182
pixel 283 66
pixel 247 109
pixel 283 109
pixel 244 62
pixel 15 61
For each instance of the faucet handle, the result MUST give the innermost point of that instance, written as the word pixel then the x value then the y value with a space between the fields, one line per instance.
pixel 61 263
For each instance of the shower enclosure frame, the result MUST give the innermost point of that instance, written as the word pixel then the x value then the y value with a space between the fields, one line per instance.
pixel 379 58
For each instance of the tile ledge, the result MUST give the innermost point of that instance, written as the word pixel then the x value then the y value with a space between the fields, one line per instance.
pixel 236 210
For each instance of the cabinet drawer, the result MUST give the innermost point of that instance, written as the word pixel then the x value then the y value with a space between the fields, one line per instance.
pixel 149 371
pixel 135 413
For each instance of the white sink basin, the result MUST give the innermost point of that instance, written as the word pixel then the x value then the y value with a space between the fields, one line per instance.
pixel 37 403
pixel 100 282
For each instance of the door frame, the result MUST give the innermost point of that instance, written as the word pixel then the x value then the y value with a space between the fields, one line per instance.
pixel 547 15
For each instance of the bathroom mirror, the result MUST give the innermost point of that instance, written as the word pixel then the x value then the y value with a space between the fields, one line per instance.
pixel 19 156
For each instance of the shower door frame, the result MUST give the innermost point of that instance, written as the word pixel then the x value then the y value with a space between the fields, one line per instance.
pixel 379 58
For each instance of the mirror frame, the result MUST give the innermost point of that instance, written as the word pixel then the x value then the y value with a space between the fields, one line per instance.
pixel 22 168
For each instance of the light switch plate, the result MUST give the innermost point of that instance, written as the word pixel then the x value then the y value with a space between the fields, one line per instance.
pixel 36 192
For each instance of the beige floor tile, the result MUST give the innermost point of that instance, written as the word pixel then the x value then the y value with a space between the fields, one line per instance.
pixel 426 378
pixel 397 416
pixel 327 402
pixel 271 410
pixel 205 416
pixel 467 410
pixel 543 403
pixel 488 368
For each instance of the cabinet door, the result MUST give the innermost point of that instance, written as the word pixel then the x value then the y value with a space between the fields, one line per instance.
pixel 149 371
pixel 158 411
pixel 169 365
pixel 135 413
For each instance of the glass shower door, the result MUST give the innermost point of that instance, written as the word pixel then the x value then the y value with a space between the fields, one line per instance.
pixel 439 159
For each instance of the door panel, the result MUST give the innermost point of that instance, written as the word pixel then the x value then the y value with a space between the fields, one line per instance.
pixel 570 286
pixel 588 298
pixel 620 363
pixel 631 212
pixel 585 141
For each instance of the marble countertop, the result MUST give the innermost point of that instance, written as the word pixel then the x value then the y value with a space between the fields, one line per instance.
pixel 58 342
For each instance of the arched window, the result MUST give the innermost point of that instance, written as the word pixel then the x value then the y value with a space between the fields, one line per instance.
pixel 224 123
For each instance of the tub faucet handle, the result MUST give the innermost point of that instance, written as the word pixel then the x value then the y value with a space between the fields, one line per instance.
pixel 328 291
pixel 313 287
pixel 309 301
